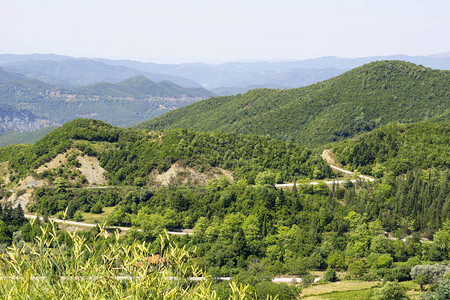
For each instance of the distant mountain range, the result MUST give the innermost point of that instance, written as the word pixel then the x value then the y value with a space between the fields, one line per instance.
pixel 239 77
pixel 55 89
pixel 30 104
pixel 358 101
pixel 222 79
pixel 77 72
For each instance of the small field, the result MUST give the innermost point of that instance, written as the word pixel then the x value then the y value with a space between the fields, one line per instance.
pixel 351 290
pixel 97 218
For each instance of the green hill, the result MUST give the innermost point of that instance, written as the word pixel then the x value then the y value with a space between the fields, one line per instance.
pixel 355 102
pixel 132 156
pixel 397 148
pixel 240 220
pixel 141 87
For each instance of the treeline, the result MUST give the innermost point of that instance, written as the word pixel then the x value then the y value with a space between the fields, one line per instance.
pixel 397 148
pixel 417 201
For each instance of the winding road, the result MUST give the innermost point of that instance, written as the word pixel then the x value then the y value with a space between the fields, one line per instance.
pixel 325 155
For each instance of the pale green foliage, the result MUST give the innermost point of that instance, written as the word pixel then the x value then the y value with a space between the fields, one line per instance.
pixel 441 240
pixel 265 177
pixel 361 234
pixel 427 274
pixel 47 270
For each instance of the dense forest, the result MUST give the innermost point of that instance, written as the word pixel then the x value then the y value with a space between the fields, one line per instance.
pixel 130 155
pixel 242 224
pixel 397 148
pixel 358 101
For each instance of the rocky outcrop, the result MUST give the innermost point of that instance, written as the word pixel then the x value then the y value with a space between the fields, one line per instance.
pixel 21 120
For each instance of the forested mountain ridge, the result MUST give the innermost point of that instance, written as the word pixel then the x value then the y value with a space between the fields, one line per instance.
pixel 397 148
pixel 358 101
pixel 141 87
pixel 242 223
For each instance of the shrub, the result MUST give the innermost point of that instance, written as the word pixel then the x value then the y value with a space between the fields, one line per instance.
pixel 78 216
pixel 428 274
pixel 97 208
pixel 264 290
pixel 390 291
pixel 401 273
pixel 357 269
pixel 307 280
pixel 442 292
pixel 330 276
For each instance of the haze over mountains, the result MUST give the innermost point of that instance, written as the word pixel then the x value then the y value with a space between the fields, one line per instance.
pixel 72 72
pixel 30 104
pixel 54 89
pixel 222 79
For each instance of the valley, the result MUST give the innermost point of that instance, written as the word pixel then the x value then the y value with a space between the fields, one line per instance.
pixel 340 182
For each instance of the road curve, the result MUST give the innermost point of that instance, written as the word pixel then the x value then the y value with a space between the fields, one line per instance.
pixel 329 182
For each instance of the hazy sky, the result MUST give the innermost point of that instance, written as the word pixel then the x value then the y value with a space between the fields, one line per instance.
pixel 223 30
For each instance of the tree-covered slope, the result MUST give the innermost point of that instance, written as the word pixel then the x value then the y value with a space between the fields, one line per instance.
pixel 398 148
pixel 131 155
pixel 355 102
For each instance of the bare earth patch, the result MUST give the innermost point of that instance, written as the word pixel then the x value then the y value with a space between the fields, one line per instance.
pixel 53 164
pixel 330 158
pixel 91 169
pixel 4 172
pixel 186 174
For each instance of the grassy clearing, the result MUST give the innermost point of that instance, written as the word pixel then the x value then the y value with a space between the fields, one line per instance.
pixel 341 286
pixel 97 218
pixel 351 290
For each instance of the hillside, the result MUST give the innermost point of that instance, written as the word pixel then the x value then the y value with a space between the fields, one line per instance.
pixel 131 155
pixel 397 148
pixel 25 137
pixel 221 187
pixel 124 104
pixel 358 101
pixel 141 87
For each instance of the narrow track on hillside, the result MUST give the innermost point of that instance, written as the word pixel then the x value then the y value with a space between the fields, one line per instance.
pixel 327 155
